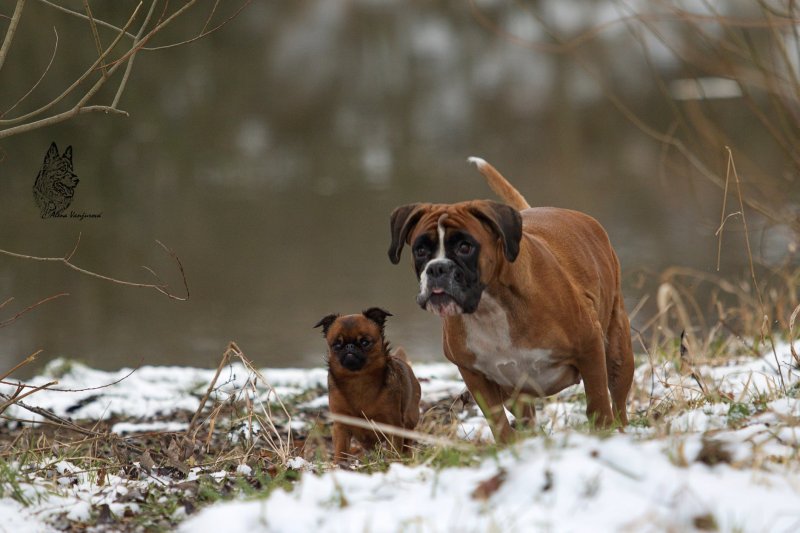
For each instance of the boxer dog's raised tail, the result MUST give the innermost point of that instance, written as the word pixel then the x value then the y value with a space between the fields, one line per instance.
pixel 500 185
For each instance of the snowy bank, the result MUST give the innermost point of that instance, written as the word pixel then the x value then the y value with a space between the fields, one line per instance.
pixel 727 458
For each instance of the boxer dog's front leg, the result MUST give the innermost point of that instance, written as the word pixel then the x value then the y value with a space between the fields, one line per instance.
pixel 490 398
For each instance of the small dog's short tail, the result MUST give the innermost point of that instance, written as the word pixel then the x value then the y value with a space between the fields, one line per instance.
pixel 400 353
pixel 500 185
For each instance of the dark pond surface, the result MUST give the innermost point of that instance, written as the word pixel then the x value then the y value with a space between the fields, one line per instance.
pixel 270 154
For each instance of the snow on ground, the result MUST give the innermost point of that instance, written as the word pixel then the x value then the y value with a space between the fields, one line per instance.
pixel 573 482
pixel 728 460
pixel 151 390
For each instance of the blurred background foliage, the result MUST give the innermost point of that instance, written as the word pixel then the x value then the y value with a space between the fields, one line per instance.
pixel 269 154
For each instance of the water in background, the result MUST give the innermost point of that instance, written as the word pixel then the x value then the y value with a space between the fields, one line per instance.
pixel 270 154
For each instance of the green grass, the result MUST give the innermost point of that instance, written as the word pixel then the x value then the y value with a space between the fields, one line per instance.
pixel 10 482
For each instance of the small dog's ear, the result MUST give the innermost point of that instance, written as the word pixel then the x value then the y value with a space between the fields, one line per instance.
pixel 505 222
pixel 403 220
pixel 68 153
pixel 52 153
pixel 326 322
pixel 377 315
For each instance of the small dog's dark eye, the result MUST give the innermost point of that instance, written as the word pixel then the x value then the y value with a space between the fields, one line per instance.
pixel 365 342
pixel 337 345
pixel 465 248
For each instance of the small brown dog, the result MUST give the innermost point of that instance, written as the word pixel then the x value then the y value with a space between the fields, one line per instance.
pixel 365 380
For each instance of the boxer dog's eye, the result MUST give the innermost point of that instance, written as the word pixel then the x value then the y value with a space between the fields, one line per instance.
pixel 421 252
pixel 465 248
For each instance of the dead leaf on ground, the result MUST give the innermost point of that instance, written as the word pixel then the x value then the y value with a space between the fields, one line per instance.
pixel 486 488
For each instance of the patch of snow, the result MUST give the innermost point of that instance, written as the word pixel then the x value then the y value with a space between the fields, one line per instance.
pixel 298 463
pixel 14 517
pixel 578 483
pixel 320 402
pixel 127 428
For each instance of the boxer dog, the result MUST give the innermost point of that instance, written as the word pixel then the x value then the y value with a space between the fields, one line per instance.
pixel 364 380
pixel 530 300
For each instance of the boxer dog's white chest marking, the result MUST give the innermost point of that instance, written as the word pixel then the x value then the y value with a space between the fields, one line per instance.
pixel 524 369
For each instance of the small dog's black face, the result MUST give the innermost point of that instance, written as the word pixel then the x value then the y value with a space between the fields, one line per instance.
pixel 355 342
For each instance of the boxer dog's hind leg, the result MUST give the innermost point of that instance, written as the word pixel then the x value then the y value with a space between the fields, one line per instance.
pixel 592 368
pixel 619 364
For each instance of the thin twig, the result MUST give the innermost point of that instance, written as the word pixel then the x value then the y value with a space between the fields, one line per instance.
pixel 226 357
pixel 203 32
pixel 75 84
pixel 732 167
pixel 723 218
pixel 563 46
pixel 160 26
pixel 6 322
pixel 77 108
pixel 129 66
pixel 33 88
pixel 12 29
pixel 765 323
pixel 17 397
pixel 398 431
pixel 66 261
pixel 26 361
pixel 105 386
pixel 82 16
pixel 95 35
pixel 70 425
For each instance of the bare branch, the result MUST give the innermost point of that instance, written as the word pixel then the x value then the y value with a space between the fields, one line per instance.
pixel 19 395
pixel 61 117
pixel 129 67
pixel 95 35
pixel 87 389
pixel 570 46
pixel 31 120
pixel 76 109
pixel 66 261
pixel 103 109
pixel 203 32
pixel 81 15
pixel 46 70
pixel 75 248
pixel 14 318
pixel 160 26
pixel 210 15
pixel 26 361
pixel 12 29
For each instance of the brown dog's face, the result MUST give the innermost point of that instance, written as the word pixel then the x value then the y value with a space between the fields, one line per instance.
pixel 355 342
pixel 456 249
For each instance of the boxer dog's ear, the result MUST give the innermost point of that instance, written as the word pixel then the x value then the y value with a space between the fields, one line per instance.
pixel 505 222
pixel 403 220
pixel 377 315
pixel 326 322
